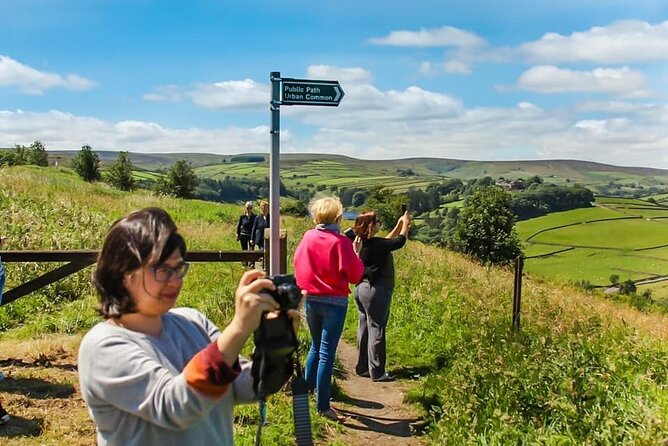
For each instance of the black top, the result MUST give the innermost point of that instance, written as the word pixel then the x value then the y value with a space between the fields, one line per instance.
pixel 376 254
pixel 257 233
pixel 245 225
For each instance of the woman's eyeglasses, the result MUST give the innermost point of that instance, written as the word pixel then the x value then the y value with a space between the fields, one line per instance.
pixel 163 273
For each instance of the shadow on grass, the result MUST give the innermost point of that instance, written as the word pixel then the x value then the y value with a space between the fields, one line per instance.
pixel 36 388
pixel 363 404
pixel 22 427
pixel 395 427
pixel 42 361
pixel 413 372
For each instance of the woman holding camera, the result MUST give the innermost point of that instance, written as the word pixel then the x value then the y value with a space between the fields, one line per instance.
pixel 325 265
pixel 374 293
pixel 152 374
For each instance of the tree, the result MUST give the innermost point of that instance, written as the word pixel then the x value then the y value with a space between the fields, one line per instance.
pixel 87 164
pixel 386 204
pixel 627 287
pixel 37 154
pixel 359 198
pixel 295 208
pixel 485 228
pixel 15 157
pixel 180 181
pixel 120 173
pixel 614 279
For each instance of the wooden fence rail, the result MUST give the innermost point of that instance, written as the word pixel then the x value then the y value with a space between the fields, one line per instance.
pixel 80 259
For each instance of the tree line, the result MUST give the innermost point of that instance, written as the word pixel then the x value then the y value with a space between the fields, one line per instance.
pixel 483 227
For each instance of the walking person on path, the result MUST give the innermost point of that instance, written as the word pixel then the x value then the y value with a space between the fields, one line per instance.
pixel 373 294
pixel 325 263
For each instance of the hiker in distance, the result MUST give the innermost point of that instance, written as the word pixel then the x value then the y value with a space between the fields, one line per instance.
pixel 152 374
pixel 245 228
pixel 373 294
pixel 325 263
pixel 261 223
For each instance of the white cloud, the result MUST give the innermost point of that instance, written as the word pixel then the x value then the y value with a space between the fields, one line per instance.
pixel 382 124
pixel 136 136
pixel 354 75
pixel 32 81
pixel 165 94
pixel 231 95
pixel 551 79
pixel 618 43
pixel 446 36
pixel 457 67
pixel 427 69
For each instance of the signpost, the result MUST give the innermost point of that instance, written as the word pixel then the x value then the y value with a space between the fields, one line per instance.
pixel 311 92
pixel 289 91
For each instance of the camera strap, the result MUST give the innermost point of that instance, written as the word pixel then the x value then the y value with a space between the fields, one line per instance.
pixel 300 411
pixel 275 361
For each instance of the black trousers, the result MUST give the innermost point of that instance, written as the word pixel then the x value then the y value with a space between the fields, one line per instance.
pixel 373 305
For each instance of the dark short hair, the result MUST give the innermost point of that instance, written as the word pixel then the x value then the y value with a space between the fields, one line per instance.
pixel 143 238
pixel 363 224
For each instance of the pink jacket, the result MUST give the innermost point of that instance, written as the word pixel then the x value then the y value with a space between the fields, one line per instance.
pixel 325 263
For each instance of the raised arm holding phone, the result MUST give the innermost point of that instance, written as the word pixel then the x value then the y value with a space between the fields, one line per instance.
pixel 373 294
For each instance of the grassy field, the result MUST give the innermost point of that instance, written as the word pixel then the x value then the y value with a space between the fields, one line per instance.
pixel 321 172
pixel 583 370
pixel 627 237
pixel 327 170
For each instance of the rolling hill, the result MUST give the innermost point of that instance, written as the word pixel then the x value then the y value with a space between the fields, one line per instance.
pixel 320 171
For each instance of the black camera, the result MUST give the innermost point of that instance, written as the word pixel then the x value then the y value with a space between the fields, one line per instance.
pixel 287 293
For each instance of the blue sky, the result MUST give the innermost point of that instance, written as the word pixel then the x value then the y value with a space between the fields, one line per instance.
pixel 477 80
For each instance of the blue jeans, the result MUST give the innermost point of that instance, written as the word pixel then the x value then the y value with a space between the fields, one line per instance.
pixel 325 321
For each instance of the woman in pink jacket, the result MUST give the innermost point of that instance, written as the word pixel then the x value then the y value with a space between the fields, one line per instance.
pixel 326 263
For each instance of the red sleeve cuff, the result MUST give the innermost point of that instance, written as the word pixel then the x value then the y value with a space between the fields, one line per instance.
pixel 208 373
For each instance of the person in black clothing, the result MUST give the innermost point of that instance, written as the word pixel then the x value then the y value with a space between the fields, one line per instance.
pixel 261 223
pixel 245 226
pixel 374 293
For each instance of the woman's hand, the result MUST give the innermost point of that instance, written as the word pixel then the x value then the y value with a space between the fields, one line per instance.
pixel 250 301
pixel 295 315
pixel 357 244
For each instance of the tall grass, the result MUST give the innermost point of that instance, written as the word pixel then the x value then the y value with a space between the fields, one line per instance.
pixel 53 209
pixel 582 370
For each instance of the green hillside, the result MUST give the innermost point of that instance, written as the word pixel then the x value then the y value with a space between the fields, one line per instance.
pixel 583 370
pixel 302 170
pixel 619 236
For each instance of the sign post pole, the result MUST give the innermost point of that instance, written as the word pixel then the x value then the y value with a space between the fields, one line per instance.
pixel 274 174
pixel 288 91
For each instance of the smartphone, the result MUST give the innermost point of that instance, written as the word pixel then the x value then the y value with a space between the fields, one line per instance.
pixel 404 208
pixel 350 234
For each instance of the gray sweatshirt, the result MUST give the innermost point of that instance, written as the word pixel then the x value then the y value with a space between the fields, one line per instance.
pixel 137 394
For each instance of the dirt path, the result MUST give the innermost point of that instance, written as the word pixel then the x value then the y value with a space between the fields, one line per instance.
pixel 375 412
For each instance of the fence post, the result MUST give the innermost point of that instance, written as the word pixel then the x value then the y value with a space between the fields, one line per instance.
pixel 283 262
pixel 283 251
pixel 517 292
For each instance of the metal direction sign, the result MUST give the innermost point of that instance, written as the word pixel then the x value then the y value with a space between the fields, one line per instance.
pixel 311 92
